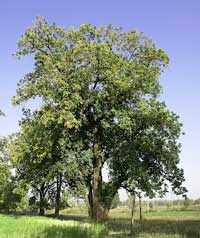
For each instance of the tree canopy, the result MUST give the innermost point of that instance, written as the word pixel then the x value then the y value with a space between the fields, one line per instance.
pixel 101 87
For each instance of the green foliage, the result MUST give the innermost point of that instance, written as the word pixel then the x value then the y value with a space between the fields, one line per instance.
pixel 1 113
pixel 12 198
pixel 99 89
pixel 31 158
pixel 115 201
pixel 12 192
pixel 41 152
pixel 108 193
pixel 65 200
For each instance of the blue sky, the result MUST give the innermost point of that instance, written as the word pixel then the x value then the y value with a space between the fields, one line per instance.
pixel 173 26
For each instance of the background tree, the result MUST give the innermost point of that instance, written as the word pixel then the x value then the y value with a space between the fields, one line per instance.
pixel 102 86
pixel 12 193
pixel 5 176
pixel 38 159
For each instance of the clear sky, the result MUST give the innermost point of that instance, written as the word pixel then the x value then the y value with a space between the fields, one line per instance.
pixel 173 26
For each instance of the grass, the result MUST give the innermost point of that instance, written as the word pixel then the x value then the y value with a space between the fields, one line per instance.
pixel 44 227
pixel 158 223
pixel 74 224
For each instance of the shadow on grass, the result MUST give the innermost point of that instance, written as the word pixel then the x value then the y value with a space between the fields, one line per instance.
pixel 69 217
pixel 120 227
pixel 186 228
pixel 13 215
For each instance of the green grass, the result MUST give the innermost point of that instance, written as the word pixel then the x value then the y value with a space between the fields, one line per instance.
pixel 74 224
pixel 161 224
pixel 43 227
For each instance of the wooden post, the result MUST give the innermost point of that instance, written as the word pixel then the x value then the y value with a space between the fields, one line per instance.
pixel 132 212
pixel 140 205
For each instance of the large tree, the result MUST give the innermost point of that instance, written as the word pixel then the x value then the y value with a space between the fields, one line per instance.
pixel 102 86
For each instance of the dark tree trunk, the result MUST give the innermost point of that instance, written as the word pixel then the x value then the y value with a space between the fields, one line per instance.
pixel 97 183
pixel 42 200
pixel 90 201
pixel 41 211
pixel 58 194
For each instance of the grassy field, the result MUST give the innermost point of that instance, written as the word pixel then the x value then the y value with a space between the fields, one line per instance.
pixel 73 223
pixel 44 227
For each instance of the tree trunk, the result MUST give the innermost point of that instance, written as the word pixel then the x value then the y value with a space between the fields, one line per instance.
pixel 90 201
pixel 97 209
pixel 104 207
pixel 132 212
pixel 41 211
pixel 42 200
pixel 58 194
pixel 97 184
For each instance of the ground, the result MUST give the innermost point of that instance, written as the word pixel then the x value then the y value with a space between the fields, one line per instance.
pixel 74 223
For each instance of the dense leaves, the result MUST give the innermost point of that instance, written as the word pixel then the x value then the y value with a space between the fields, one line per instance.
pixel 42 160
pixel 99 88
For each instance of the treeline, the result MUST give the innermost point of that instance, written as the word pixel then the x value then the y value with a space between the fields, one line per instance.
pixel 184 203
pixel 162 203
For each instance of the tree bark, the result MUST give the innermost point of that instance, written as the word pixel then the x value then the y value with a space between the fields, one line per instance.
pixel 98 207
pixel 96 193
pixel 58 194
pixel 97 184
pixel 105 204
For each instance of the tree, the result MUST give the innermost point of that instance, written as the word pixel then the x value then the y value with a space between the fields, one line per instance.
pixel 1 113
pixel 12 193
pixel 38 159
pixel 5 176
pixel 102 86
pixel 31 154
